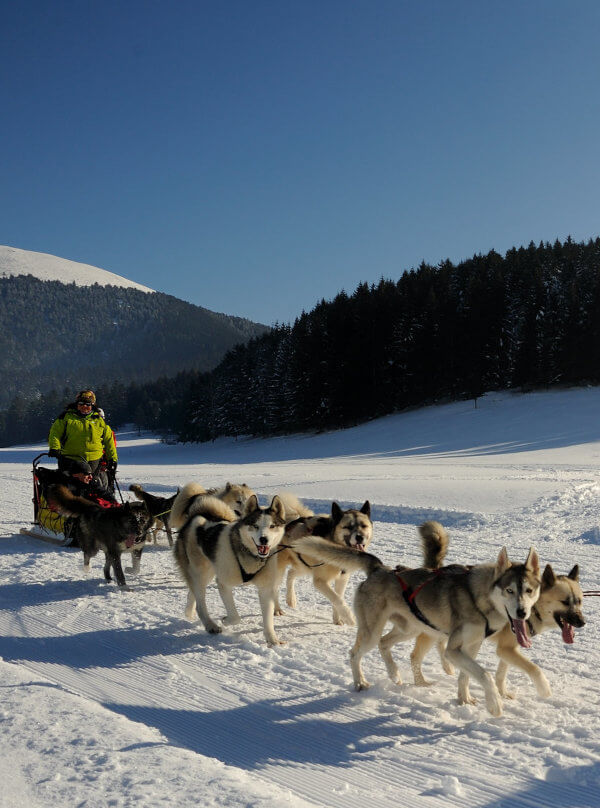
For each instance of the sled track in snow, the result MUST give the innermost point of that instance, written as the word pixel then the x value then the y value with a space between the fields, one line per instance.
pixel 163 676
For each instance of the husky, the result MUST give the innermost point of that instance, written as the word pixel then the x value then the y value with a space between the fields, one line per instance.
pixel 559 605
pixel 351 528
pixel 237 551
pixel 159 509
pixel 234 495
pixel 462 605
pixel 113 530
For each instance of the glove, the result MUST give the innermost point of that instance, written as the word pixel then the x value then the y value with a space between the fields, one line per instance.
pixel 54 453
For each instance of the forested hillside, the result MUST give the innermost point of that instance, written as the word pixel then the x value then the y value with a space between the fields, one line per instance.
pixel 528 319
pixel 56 335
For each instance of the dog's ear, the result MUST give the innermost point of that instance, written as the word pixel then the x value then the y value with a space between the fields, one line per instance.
pixel 502 562
pixel 336 512
pixel 298 529
pixel 251 505
pixel 278 507
pixel 548 578
pixel 532 561
pixel 228 486
pixel 574 574
pixel 366 508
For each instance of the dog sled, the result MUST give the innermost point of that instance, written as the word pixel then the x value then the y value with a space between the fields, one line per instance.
pixel 48 525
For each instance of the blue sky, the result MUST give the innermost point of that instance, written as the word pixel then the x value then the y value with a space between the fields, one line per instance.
pixel 255 157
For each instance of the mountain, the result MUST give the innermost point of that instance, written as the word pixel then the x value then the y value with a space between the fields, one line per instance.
pixel 14 262
pixel 69 325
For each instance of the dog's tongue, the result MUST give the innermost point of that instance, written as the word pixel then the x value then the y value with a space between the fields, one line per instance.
pixel 359 547
pixel 263 550
pixel 130 540
pixel 520 629
pixel 568 633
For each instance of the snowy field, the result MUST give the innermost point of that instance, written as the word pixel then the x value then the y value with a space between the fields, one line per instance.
pixel 112 698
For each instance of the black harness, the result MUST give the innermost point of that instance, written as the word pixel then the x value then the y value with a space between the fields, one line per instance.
pixel 248 576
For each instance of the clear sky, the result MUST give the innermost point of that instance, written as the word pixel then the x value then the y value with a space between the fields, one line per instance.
pixel 255 156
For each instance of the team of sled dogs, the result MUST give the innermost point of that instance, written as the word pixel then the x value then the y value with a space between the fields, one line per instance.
pixel 225 534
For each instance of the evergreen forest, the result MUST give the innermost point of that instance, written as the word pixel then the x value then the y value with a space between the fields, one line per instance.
pixel 55 335
pixel 526 320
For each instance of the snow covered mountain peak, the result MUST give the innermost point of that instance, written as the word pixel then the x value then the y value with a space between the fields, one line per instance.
pixel 14 261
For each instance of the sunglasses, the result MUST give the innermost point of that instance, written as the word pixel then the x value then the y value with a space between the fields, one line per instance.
pixel 84 403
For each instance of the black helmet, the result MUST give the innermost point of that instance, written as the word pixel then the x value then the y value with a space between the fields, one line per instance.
pixel 78 466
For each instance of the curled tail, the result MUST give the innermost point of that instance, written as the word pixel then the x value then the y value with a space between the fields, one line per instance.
pixel 294 508
pixel 180 510
pixel 340 556
pixel 210 509
pixel 68 504
pixel 435 544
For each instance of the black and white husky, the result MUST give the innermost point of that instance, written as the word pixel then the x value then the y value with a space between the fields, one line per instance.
pixel 215 543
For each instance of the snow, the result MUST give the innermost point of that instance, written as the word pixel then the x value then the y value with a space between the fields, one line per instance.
pixel 112 698
pixel 51 268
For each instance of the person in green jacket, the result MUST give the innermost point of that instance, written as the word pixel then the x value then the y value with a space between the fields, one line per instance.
pixel 81 432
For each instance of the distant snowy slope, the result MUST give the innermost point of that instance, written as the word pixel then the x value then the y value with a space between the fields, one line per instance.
pixel 51 268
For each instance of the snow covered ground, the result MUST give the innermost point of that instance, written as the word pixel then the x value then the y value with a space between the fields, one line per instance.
pixel 112 698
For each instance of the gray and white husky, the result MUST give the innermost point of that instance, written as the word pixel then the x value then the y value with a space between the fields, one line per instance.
pixel 214 543
pixel 461 605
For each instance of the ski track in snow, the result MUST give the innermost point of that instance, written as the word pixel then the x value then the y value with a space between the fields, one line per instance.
pixel 173 713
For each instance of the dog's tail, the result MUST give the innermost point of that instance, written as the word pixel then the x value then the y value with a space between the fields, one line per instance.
pixel 320 549
pixel 180 510
pixel 435 544
pixel 210 509
pixel 294 508
pixel 206 508
pixel 68 504
pixel 138 491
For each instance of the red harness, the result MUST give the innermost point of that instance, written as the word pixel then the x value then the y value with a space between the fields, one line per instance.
pixel 411 594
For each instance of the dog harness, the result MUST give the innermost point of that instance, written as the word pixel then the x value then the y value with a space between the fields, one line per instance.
pixel 410 594
pixel 248 576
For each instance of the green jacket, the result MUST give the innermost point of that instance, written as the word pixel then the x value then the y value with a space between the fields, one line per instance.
pixel 87 436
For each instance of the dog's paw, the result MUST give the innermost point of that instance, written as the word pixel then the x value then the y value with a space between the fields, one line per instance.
pixel 344 619
pixel 291 602
pixel 231 620
pixel 448 667
pixel 274 642
pixel 543 688
pixel 421 681
pixel 214 629
pixel 278 611
pixel 362 685
pixel 494 704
